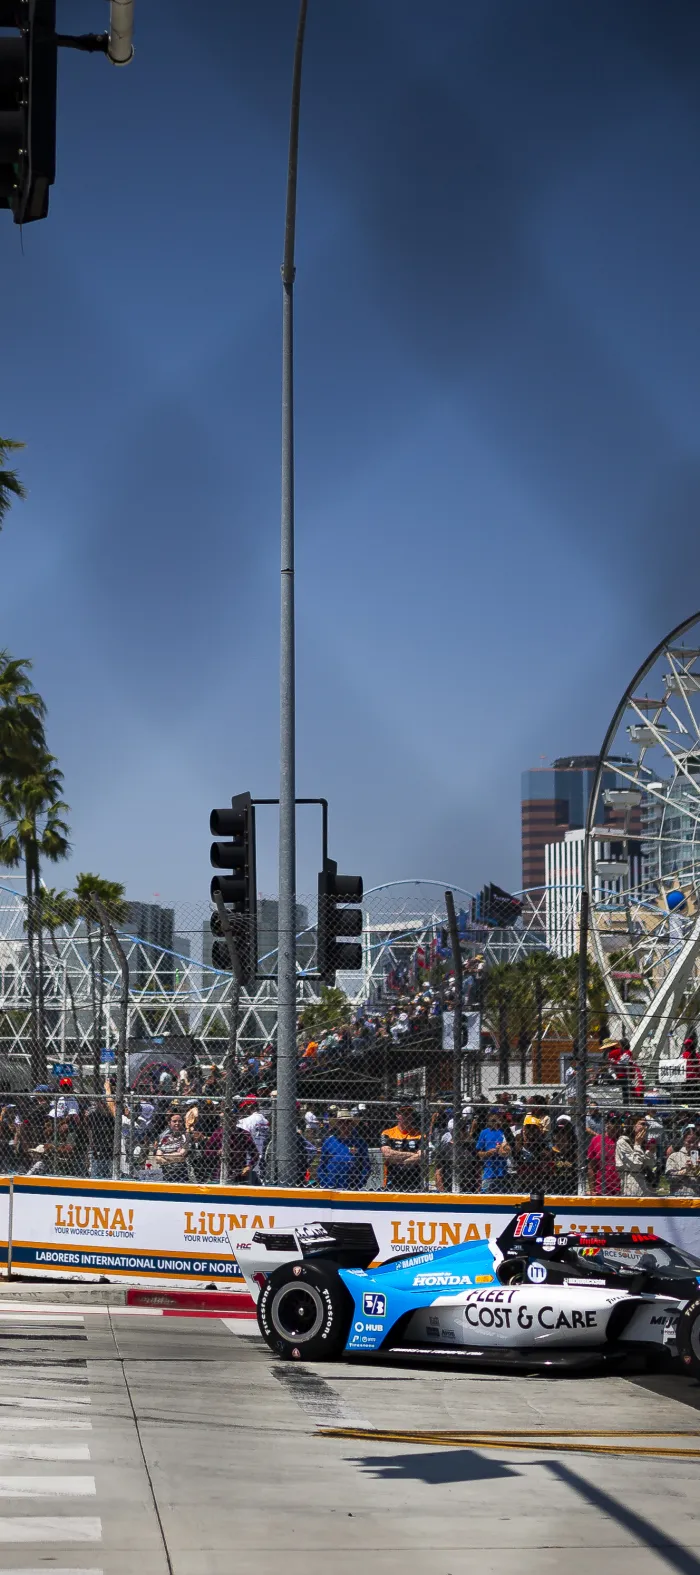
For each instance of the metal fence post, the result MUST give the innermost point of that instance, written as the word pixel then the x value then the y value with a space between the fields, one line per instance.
pixel 230 1057
pixel 582 1048
pixel 121 1043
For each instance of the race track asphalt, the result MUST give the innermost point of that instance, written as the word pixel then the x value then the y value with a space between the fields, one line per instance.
pixel 134 1442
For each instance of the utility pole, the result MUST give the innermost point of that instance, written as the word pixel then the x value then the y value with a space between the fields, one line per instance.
pixel 581 1061
pixel 287 962
pixel 456 1045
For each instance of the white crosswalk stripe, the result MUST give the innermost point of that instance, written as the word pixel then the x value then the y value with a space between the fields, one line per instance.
pixel 41 1317
pixel 12 1372
pixel 18 1450
pixel 46 1402
pixel 47 1487
pixel 14 1423
pixel 50 1528
pixel 45 1398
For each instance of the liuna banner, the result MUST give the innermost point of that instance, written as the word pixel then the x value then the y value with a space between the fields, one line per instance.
pixel 147 1230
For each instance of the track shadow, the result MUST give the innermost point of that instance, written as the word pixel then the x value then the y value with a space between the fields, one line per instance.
pixel 642 1530
pixel 674 1386
pixel 434 1466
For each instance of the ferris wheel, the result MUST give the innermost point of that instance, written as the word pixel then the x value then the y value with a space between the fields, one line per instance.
pixel 643 849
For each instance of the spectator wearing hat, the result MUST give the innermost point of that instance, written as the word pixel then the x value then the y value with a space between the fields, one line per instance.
pixel 634 1164
pixel 564 1158
pixel 66 1104
pixel 683 1165
pixel 344 1162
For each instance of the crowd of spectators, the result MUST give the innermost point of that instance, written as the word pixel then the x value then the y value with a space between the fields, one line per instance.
pixel 173 1128
pixel 412 1017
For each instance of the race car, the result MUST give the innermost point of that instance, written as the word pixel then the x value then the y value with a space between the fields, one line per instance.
pixel 532 1299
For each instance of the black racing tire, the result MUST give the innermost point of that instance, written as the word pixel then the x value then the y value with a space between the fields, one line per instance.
pixel 512 1271
pixel 688 1338
pixel 304 1312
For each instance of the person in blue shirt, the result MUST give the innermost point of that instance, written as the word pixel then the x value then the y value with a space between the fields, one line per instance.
pixel 493 1148
pixel 344 1162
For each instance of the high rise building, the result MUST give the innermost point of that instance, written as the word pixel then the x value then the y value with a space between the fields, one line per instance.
pixel 554 800
pixel 154 927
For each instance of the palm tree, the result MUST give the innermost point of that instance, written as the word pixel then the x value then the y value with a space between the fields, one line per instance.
pixel 500 995
pixel 540 975
pixel 22 713
pixel 56 910
pixel 34 828
pixel 111 893
pixel 10 484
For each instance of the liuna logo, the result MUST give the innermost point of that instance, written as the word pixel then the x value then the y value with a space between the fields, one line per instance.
pixel 374 1304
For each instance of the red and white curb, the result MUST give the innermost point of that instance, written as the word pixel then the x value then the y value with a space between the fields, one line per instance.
pixel 52 1312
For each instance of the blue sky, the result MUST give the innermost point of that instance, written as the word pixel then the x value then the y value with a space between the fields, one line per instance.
pixel 498 461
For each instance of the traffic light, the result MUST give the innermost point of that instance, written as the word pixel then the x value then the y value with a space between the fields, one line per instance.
pixel 496 906
pixel 238 889
pixel 335 919
pixel 28 68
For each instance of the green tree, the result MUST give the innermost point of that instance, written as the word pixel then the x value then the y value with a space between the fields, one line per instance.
pixel 565 1005
pixel 34 829
pixel 500 999
pixel 321 1017
pixel 10 484
pixel 58 910
pixel 22 713
pixel 540 977
pixel 111 894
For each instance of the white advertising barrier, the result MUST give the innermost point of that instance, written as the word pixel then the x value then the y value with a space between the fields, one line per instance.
pixel 147 1230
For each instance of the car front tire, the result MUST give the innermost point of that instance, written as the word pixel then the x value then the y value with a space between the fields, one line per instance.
pixel 688 1338
pixel 304 1312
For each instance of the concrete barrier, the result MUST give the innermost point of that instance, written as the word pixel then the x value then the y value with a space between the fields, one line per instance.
pixel 194 1235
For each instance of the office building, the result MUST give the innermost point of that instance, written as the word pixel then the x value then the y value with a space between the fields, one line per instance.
pixel 554 801
pixel 154 928
pixel 564 878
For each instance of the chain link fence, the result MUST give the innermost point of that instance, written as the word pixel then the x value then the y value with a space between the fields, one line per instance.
pixel 86 991
pixel 512 1146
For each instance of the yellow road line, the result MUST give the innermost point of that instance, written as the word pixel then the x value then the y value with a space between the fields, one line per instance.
pixel 521 1440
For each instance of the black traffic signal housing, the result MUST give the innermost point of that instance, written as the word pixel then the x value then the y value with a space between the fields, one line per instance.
pixel 238 889
pixel 336 919
pixel 28 70
pixel 497 907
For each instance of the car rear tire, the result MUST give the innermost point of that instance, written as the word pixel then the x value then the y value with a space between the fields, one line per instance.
pixel 688 1338
pixel 304 1312
pixel 512 1271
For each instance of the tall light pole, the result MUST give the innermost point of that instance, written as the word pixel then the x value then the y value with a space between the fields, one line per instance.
pixel 286 955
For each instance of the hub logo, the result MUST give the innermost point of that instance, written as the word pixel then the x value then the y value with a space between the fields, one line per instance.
pixel 374 1304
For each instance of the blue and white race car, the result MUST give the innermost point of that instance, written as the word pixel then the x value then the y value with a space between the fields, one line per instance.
pixel 533 1298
